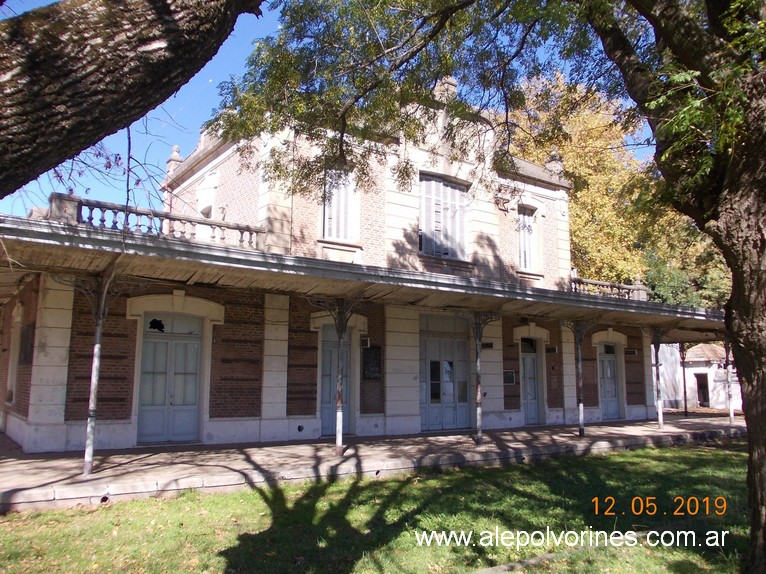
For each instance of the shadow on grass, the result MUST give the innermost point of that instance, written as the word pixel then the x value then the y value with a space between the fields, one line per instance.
pixel 315 531
pixel 332 526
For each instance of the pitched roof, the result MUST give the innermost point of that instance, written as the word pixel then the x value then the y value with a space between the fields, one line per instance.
pixel 707 352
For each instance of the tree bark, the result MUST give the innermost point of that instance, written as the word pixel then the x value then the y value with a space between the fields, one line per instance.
pixel 728 201
pixel 739 230
pixel 78 70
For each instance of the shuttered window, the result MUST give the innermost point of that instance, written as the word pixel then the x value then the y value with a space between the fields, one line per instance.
pixel 442 217
pixel 341 209
pixel 526 238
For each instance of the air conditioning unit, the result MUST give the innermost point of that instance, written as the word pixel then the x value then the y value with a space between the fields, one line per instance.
pixel 365 342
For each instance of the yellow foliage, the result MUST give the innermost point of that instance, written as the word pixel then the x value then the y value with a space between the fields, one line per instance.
pixel 605 175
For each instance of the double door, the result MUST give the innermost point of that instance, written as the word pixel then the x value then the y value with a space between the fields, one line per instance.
pixel 443 384
pixel 169 389
pixel 329 382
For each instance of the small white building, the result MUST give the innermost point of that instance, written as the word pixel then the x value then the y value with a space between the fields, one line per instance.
pixel 705 372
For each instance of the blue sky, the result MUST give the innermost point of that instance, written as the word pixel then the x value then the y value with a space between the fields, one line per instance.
pixel 177 121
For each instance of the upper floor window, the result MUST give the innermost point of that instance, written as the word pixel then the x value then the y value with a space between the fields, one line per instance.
pixel 341 208
pixel 527 238
pixel 442 217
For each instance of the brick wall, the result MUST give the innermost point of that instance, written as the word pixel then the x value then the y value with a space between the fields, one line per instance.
pixel 306 229
pixel 238 189
pixel 235 367
pixel 590 389
pixel 511 393
pixel 302 349
pixel 372 391
pixel 635 390
pixel 372 225
pixel 118 344
pixel 236 377
pixel 554 366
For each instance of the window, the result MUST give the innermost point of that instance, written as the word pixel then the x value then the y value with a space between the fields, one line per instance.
pixel 528 345
pixel 341 209
pixel 442 218
pixel 526 237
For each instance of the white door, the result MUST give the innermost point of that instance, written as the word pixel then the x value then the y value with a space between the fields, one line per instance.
pixel 530 388
pixel 168 396
pixel 443 384
pixel 610 400
pixel 329 383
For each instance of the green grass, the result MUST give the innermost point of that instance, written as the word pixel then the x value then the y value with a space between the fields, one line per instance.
pixel 369 525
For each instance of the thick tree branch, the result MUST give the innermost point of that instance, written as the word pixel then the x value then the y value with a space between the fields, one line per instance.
pixel 638 76
pixel 76 71
pixel 687 40
pixel 697 200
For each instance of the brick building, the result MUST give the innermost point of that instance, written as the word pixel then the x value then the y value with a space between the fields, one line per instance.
pixel 219 327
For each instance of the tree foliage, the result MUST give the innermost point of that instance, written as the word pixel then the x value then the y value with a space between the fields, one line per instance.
pixel 582 126
pixel 364 71
pixel 617 231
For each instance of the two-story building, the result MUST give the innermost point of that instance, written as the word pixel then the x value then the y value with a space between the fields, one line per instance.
pixel 219 327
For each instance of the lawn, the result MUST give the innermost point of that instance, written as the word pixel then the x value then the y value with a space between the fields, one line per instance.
pixel 371 525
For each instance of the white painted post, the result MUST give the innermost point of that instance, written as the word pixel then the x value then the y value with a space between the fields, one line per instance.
pixel 580 405
pixel 90 431
pixel 339 394
pixel 579 329
pixel 478 336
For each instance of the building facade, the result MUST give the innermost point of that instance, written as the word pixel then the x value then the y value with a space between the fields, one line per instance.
pixel 700 380
pixel 220 323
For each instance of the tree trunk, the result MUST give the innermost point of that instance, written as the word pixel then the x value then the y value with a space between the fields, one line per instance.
pixel 78 70
pixel 750 357
pixel 740 231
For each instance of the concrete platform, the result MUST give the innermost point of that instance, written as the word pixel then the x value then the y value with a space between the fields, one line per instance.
pixel 55 481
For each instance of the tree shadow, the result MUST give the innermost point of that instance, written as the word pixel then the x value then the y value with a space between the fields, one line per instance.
pixel 319 530
pixel 486 262
pixel 331 527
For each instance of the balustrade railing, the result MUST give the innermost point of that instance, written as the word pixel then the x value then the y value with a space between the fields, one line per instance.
pixel 75 210
pixel 636 291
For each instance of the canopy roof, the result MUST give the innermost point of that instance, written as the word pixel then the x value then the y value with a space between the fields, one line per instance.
pixel 33 246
